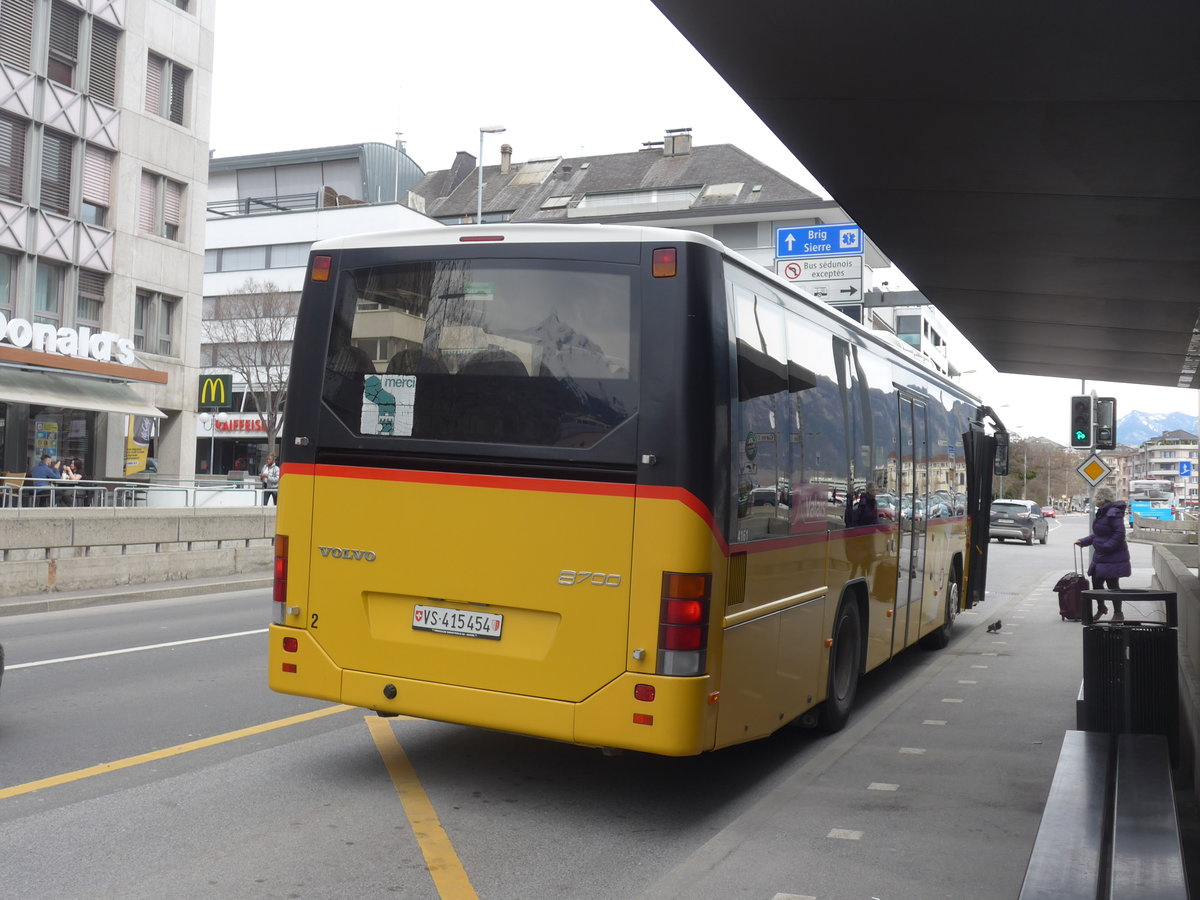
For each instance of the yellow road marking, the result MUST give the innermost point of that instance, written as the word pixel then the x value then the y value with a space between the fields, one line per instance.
pixel 449 876
pixel 79 774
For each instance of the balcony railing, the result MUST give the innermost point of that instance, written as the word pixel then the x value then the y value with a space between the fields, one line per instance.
pixel 259 206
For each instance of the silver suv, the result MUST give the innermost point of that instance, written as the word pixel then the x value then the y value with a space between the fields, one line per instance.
pixel 1018 519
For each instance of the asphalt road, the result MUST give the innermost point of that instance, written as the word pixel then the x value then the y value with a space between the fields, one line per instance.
pixel 141 755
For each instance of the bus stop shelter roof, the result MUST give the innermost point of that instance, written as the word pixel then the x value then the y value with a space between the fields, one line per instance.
pixel 1032 167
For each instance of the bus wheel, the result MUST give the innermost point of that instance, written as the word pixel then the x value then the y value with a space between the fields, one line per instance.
pixel 938 639
pixel 845 663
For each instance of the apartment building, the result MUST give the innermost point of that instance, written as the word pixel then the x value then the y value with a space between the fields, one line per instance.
pixel 104 124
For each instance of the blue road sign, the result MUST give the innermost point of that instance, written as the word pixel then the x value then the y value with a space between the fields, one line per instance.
pixel 818 240
pixel 1185 469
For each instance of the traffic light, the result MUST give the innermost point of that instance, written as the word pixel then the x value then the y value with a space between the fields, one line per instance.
pixel 1081 423
pixel 1106 423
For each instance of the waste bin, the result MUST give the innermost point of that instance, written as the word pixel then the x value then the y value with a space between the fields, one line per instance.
pixel 1131 668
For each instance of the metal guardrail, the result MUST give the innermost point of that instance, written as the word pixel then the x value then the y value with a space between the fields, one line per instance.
pixel 100 493
pixel 258 206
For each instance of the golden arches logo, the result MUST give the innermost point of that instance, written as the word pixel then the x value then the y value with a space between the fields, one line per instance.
pixel 214 390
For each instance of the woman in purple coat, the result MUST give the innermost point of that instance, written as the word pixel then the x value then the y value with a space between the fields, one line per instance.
pixel 1110 559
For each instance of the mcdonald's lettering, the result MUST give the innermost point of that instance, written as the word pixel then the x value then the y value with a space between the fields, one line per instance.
pixel 216 391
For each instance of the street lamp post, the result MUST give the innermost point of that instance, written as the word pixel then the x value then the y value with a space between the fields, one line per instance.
pixel 485 129
pixel 209 421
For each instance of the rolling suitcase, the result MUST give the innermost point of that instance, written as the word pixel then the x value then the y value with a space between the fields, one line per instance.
pixel 1070 590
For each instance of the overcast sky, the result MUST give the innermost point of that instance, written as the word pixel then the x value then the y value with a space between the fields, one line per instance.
pixel 563 77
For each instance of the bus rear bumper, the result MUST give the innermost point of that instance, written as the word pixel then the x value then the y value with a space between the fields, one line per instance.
pixel 679 721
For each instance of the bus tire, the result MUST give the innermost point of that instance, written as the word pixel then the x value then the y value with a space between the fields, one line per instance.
pixel 940 637
pixel 845 664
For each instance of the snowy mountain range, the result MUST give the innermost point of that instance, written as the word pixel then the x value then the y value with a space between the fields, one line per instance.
pixel 1137 426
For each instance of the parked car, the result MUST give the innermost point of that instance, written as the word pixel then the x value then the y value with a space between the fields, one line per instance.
pixel 1018 519
pixel 1049 512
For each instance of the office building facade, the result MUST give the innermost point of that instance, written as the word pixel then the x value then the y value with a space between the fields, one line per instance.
pixel 104 123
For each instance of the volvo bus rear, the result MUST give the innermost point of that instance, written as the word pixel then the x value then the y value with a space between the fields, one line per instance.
pixel 491 511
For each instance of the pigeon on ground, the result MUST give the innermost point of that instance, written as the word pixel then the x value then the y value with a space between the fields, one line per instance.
pixel 995 626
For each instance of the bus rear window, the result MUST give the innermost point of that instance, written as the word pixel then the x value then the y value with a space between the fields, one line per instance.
pixel 486 351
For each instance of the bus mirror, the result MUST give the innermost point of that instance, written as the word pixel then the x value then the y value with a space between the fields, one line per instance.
pixel 799 378
pixel 1001 465
pixel 759 375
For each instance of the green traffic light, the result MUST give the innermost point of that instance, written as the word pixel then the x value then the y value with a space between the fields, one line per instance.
pixel 1081 435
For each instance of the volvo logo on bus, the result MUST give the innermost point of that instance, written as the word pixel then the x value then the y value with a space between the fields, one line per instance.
pixel 347 553
pixel 599 579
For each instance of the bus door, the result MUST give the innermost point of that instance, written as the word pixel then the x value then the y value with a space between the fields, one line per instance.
pixel 912 488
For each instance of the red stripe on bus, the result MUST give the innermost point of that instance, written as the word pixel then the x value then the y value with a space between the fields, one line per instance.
pixel 495 482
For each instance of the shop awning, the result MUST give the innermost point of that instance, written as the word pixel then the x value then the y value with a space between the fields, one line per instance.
pixel 73 392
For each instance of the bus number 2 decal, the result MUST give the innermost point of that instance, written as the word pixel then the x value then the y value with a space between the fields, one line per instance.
pixel 599 579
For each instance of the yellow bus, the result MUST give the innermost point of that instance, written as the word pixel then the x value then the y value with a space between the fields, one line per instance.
pixel 602 484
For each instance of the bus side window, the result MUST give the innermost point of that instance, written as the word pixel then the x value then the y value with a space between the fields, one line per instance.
pixel 762 484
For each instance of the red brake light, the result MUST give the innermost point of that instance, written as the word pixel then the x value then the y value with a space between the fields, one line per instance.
pixel 321 266
pixel 477 238
pixel 291 644
pixel 279 585
pixel 664 262
pixel 684 612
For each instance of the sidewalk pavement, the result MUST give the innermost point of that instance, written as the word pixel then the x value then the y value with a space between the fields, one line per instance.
pixel 129 593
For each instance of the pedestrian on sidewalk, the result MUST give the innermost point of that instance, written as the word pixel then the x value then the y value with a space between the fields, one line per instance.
pixel 270 481
pixel 1110 556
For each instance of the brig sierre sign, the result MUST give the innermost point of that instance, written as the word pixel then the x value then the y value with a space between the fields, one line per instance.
pixel 82 342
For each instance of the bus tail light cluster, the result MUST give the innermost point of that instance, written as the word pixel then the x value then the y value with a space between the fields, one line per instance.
pixel 664 262
pixel 279 585
pixel 683 623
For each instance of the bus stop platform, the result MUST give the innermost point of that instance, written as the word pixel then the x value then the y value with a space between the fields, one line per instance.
pixel 936 787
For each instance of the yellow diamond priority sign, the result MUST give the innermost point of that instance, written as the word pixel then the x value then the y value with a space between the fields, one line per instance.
pixel 1094 470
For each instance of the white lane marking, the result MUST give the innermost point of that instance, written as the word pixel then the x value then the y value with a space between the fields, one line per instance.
pixel 934 722
pixel 914 750
pixel 881 786
pixel 845 834
pixel 63 659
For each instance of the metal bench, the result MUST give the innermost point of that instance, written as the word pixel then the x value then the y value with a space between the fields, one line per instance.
pixel 1109 829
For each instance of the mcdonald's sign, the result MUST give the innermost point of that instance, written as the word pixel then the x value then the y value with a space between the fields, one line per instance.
pixel 216 391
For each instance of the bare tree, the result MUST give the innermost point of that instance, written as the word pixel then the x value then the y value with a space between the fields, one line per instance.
pixel 251 329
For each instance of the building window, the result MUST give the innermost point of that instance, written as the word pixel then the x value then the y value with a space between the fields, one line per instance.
pixel 288 256
pixel 90 304
pixel 160 206
pixel 166 84
pixel 238 259
pixel 8 282
pixel 678 197
pixel 48 293
pixel 97 185
pixel 102 68
pixel 154 323
pixel 56 172
pixel 16 32
pixel 12 157
pixel 64 44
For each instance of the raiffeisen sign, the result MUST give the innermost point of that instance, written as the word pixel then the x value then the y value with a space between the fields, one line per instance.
pixel 81 343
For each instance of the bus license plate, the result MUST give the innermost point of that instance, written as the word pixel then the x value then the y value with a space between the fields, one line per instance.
pixel 457 621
